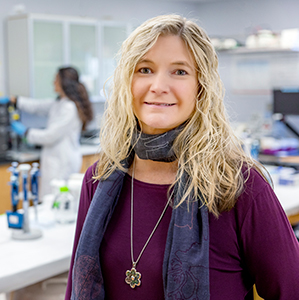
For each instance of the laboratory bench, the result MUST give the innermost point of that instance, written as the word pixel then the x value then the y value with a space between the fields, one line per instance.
pixel 26 262
pixel 29 156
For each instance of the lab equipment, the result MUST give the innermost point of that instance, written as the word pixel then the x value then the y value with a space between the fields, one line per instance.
pixel 279 147
pixel 251 147
pixel 286 102
pixel 4 128
pixel 14 218
pixel 18 220
pixel 74 184
pixel 34 186
pixel 15 138
pixel 64 206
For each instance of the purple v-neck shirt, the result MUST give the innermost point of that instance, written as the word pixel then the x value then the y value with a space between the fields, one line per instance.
pixel 252 243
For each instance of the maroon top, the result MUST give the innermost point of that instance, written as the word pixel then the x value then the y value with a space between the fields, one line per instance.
pixel 252 243
pixel 115 251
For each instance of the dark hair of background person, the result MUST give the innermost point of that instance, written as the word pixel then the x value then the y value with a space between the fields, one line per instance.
pixel 76 91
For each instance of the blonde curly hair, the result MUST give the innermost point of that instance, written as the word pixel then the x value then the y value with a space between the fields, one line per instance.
pixel 207 148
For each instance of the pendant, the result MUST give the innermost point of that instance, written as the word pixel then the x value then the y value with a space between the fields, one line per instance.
pixel 133 278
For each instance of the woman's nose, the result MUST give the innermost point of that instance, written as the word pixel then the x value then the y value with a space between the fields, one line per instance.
pixel 160 83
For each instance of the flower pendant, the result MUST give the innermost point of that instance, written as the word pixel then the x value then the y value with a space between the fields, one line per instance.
pixel 133 278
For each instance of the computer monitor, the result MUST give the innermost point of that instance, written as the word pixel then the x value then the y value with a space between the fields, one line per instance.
pixel 286 101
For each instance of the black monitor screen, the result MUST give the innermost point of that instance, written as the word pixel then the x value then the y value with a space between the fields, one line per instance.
pixel 286 102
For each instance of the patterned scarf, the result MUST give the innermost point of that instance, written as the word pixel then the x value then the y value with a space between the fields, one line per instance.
pixel 157 147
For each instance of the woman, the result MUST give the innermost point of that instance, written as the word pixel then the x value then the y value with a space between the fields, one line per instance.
pixel 67 116
pixel 174 209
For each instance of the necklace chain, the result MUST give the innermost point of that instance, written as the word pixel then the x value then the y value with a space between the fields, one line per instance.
pixel 134 263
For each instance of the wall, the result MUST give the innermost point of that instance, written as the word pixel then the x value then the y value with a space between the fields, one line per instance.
pixel 238 19
pixel 135 11
pixel 220 18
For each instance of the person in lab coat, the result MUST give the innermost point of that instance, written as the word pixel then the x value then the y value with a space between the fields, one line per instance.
pixel 68 114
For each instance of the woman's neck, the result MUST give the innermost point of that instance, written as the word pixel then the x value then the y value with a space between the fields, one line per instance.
pixel 154 171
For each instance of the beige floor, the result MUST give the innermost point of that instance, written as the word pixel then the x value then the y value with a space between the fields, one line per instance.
pixel 51 289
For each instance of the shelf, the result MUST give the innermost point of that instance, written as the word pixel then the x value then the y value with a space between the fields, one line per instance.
pixel 291 161
pixel 244 50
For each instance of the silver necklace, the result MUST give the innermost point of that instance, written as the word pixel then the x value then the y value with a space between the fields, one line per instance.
pixel 133 278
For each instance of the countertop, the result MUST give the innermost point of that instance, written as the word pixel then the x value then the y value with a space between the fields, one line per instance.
pixel 287 160
pixel 26 262
pixel 27 155
pixel 289 198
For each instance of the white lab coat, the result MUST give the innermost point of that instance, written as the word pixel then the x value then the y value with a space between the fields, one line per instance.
pixel 60 140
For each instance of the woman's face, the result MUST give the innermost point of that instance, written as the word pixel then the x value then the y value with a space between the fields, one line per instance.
pixel 164 86
pixel 57 86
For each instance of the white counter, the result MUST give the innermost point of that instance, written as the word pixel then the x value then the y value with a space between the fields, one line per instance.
pixel 289 198
pixel 33 155
pixel 23 263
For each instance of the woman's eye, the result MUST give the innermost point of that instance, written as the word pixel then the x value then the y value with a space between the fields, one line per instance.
pixel 145 71
pixel 180 72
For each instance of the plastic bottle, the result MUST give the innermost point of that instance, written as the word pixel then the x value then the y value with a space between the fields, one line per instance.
pixel 64 206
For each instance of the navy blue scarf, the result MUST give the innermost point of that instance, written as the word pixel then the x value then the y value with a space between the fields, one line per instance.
pixel 157 147
pixel 186 257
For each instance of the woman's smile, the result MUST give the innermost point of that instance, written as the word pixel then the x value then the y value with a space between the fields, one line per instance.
pixel 159 104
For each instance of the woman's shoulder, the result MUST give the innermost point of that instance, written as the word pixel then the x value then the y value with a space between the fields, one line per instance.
pixel 65 107
pixel 257 193
pixel 254 181
pixel 66 103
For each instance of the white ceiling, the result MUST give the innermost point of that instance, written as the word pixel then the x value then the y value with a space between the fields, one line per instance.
pixel 194 1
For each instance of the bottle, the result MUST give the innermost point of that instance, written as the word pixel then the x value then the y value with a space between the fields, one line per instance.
pixel 64 206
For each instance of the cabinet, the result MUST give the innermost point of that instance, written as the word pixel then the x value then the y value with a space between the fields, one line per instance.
pixel 39 44
pixel 47 54
pixel 5 200
pixel 112 35
pixel 4 189
pixel 87 161
pixel 260 70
